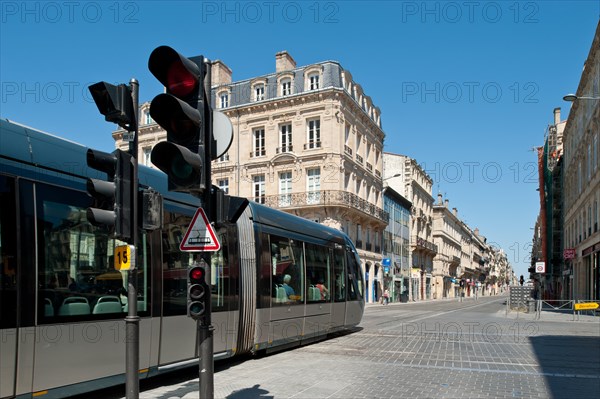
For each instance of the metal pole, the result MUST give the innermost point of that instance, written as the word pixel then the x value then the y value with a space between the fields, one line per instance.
pixel 205 329
pixel 132 321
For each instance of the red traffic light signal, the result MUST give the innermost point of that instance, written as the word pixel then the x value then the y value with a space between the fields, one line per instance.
pixel 184 113
pixel 198 300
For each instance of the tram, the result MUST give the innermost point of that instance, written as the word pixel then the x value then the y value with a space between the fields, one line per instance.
pixel 277 281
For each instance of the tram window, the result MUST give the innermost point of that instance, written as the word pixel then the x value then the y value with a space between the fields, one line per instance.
pixel 318 273
pixel 76 274
pixel 176 263
pixel 339 271
pixel 8 254
pixel 287 270
pixel 355 282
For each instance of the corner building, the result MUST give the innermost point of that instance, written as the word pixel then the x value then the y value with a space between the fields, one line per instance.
pixel 306 140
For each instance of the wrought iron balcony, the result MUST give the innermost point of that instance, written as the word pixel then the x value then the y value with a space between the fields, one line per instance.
pixel 422 243
pixel 326 198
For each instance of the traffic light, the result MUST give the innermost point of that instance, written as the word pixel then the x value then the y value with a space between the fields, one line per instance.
pixel 115 103
pixel 198 293
pixel 521 279
pixel 184 112
pixel 112 197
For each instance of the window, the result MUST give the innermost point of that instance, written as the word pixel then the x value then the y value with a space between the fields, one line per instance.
pixel 259 143
pixel 176 263
pixel 147 118
pixel 285 188
pixel 318 273
pixel 223 158
pixel 258 182
pixel 147 152
pixel 287 271
pixel 286 87
pixel 339 272
pixel 76 274
pixel 223 185
pixel 358 236
pixel 8 250
pixel 224 97
pixel 285 138
pixel 313 133
pixel 259 92
pixel 313 81
pixel 313 184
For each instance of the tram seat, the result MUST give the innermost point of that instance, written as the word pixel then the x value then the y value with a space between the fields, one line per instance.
pixel 74 305
pixel 48 308
pixel 314 294
pixel 281 295
pixel 108 304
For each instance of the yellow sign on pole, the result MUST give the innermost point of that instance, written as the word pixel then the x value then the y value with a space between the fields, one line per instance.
pixel 124 257
pixel 586 306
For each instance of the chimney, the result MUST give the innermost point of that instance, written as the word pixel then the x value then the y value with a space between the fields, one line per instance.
pixel 476 231
pixel 439 199
pixel 557 115
pixel 446 203
pixel 221 74
pixel 455 212
pixel 284 62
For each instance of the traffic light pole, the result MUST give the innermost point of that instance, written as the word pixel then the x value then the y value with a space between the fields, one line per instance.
pixel 132 320
pixel 205 329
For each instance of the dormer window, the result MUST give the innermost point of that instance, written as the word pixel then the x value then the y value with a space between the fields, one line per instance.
pixel 224 99
pixel 147 118
pixel 312 78
pixel 313 81
pixel 259 92
pixel 286 86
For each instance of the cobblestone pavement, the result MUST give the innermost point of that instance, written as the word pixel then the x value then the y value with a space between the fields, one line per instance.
pixel 441 349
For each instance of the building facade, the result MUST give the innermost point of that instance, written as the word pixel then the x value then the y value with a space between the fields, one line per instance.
pixel 581 173
pixel 396 245
pixel 447 235
pixel 405 176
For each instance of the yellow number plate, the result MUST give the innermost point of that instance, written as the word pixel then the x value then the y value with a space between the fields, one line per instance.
pixel 125 257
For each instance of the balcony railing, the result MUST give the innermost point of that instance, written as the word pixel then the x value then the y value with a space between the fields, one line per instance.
pixel 312 144
pixel 326 198
pixel 285 148
pixel 348 150
pixel 423 243
pixel 369 167
pixel 359 159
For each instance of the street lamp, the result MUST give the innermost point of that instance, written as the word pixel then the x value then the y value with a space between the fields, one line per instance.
pixel 573 97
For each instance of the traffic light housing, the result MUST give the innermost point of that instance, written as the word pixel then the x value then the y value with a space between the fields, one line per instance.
pixel 115 103
pixel 184 112
pixel 198 300
pixel 112 198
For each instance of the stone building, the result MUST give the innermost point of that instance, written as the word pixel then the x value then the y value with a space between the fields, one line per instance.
pixel 581 185
pixel 447 235
pixel 405 176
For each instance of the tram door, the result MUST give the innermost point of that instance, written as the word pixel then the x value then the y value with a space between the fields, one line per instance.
pixel 338 310
pixel 8 288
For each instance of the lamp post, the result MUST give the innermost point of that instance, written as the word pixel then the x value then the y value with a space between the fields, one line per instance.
pixel 572 97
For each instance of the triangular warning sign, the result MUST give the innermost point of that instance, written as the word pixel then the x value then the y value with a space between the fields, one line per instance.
pixel 200 235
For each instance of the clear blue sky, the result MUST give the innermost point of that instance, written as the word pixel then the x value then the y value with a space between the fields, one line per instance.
pixel 465 88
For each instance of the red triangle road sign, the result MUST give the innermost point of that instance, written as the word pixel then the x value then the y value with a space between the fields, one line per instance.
pixel 200 235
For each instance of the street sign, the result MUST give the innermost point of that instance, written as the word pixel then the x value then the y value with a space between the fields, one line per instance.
pixel 124 257
pixel 569 253
pixel 540 267
pixel 586 306
pixel 200 235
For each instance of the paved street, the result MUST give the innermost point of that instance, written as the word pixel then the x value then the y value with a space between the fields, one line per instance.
pixel 441 349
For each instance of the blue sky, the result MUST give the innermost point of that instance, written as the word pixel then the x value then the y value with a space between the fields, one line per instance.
pixel 467 88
